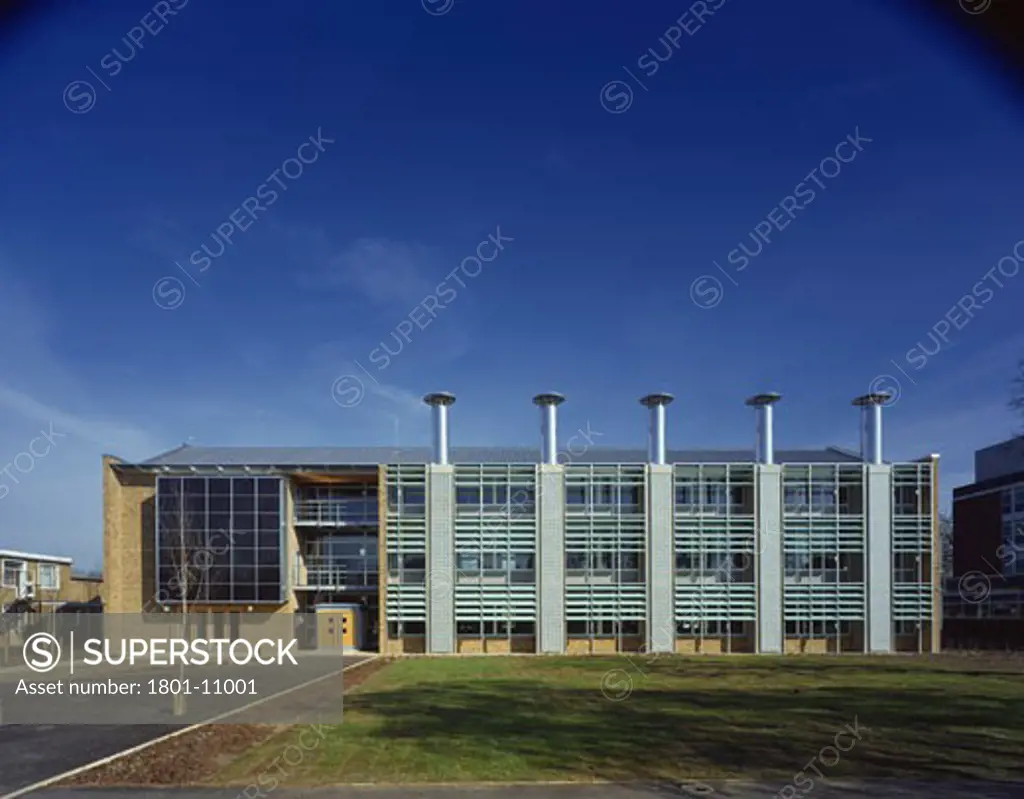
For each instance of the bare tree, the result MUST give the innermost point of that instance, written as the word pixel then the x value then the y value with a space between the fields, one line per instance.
pixel 946 543
pixel 1017 397
pixel 195 555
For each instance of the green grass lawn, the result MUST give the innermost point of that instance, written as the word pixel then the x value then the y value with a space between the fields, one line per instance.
pixel 489 719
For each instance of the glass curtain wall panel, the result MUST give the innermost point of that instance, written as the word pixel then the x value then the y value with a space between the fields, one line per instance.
pixel 220 539
pixel 495 550
pixel 912 519
pixel 406 551
pixel 605 551
pixel 823 549
pixel 715 550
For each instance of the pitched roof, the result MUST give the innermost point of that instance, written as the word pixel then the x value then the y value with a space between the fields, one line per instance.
pixel 188 455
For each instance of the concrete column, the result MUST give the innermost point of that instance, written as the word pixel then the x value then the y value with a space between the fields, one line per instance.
pixel 661 560
pixel 769 559
pixel 551 558
pixel 878 588
pixel 440 558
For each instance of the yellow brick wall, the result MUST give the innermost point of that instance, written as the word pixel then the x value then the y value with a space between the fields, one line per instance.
pixel 291 549
pixel 82 590
pixel 129 536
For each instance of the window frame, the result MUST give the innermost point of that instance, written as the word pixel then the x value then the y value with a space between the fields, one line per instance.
pixel 51 568
pixel 23 569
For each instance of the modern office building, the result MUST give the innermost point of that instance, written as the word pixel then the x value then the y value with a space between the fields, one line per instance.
pixel 984 599
pixel 575 549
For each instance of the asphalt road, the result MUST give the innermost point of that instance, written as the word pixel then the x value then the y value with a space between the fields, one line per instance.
pixel 146 695
pixel 30 753
pixel 874 789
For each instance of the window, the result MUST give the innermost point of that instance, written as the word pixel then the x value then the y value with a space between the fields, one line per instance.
pixel 1018 502
pixel 469 628
pixel 603 494
pixel 467 563
pixel 467 495
pixel 575 495
pixel 849 500
pixel 823 499
pixel 907 568
pixel 523 499
pixel 523 627
pixel 906 501
pixel 407 500
pixel 602 628
pixel 688 496
pixel 709 628
pixel 412 568
pixel 219 539
pixel 495 495
pixel 631 501
pixel 686 562
pixel 575 561
pixel 1007 500
pixel 820 566
pixel 797 564
pixel 795 499
pixel 815 629
pixel 49 576
pixel 906 627
pixel 716 498
pixel 13 569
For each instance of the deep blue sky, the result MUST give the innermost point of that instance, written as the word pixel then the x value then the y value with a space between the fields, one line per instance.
pixel 445 128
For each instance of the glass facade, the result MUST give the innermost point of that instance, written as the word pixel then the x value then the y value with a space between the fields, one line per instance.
pixel 219 539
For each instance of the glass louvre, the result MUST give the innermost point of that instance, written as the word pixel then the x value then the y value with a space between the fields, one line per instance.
pixel 715 545
pixel 219 539
pixel 605 550
pixel 912 521
pixel 406 547
pixel 495 550
pixel 823 548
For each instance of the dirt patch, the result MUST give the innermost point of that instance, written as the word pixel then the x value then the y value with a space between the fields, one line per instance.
pixel 197 755
pixel 188 758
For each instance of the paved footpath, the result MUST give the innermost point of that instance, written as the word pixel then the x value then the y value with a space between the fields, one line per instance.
pixel 875 789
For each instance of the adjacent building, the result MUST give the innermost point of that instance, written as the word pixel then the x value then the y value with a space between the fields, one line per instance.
pixel 984 600
pixel 569 549
pixel 43 582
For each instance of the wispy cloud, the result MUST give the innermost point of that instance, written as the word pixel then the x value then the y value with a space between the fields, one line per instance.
pixel 382 270
pixel 408 402
pixel 112 436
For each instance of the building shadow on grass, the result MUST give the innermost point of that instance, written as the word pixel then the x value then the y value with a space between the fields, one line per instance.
pixel 670 734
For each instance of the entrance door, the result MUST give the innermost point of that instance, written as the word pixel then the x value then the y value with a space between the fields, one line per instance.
pixel 348 628
pixel 336 628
